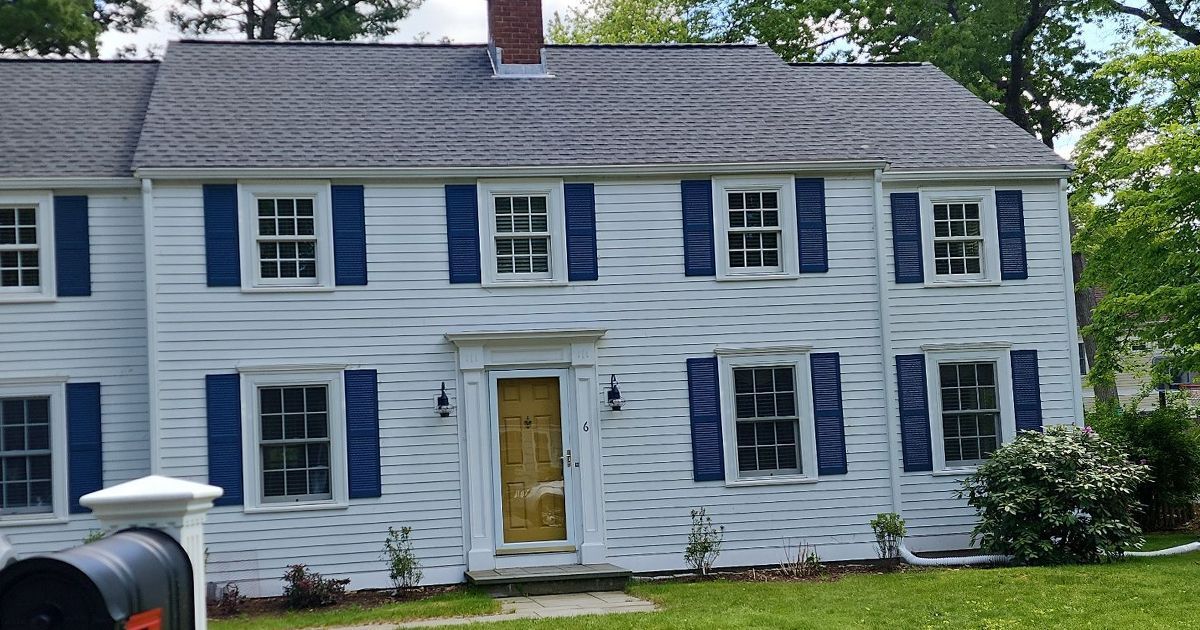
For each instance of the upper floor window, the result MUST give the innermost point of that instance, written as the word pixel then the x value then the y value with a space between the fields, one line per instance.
pixel 756 227
pixel 961 241
pixel 25 247
pixel 287 236
pixel 523 232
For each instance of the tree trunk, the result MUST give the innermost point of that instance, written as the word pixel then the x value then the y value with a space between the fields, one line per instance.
pixel 270 17
pixel 1085 302
pixel 1164 17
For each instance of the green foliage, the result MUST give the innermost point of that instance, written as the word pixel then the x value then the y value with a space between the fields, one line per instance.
pixel 291 19
pixel 1166 439
pixel 65 28
pixel 1137 203
pixel 308 589
pixel 404 568
pixel 93 536
pixel 633 21
pixel 1065 495
pixel 889 533
pixel 704 542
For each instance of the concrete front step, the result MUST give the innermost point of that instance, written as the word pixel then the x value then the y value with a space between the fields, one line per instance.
pixel 555 580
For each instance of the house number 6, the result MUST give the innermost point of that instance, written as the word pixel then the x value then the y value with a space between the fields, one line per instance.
pixel 586 428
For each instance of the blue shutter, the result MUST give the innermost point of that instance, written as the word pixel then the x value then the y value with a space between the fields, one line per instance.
pixel 85 460
pixel 72 253
pixel 914 413
pixel 906 237
pixel 704 401
pixel 1010 221
pixel 1027 390
pixel 811 226
pixel 462 233
pixel 581 232
pixel 362 433
pixel 222 257
pixel 699 248
pixel 223 398
pixel 349 236
pixel 827 409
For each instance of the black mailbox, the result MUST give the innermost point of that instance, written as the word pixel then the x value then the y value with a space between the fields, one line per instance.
pixel 137 579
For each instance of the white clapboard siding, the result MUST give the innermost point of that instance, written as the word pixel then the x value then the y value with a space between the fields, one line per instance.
pixel 98 338
pixel 1030 314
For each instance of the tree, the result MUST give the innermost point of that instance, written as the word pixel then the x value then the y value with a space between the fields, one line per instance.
pixel 65 28
pixel 291 19
pixel 1181 17
pixel 634 21
pixel 1137 202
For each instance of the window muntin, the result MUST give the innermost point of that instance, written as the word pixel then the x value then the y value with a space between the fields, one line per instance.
pixel 20 253
pixel 522 235
pixel 286 239
pixel 295 443
pixel 970 417
pixel 767 421
pixel 957 238
pixel 26 478
pixel 755 231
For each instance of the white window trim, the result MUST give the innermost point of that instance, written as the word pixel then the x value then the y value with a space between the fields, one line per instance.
pixel 252 429
pixel 248 193
pixel 986 198
pixel 55 389
pixel 798 359
pixel 489 189
pixel 1008 419
pixel 789 257
pixel 48 286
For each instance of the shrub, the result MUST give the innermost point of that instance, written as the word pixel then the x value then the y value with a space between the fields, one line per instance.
pixel 93 536
pixel 308 589
pixel 1065 495
pixel 404 568
pixel 800 560
pixel 229 600
pixel 704 542
pixel 889 532
pixel 1168 440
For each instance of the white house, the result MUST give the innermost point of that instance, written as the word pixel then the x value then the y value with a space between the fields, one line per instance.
pixel 824 291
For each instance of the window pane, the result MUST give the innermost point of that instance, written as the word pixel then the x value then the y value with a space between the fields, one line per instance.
pixel 970 420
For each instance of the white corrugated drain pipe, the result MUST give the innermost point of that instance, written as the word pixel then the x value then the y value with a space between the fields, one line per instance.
pixel 963 561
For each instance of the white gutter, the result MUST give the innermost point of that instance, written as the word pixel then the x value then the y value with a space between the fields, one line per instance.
pixel 67 183
pixel 892 421
pixel 961 174
pixel 508 171
pixel 151 323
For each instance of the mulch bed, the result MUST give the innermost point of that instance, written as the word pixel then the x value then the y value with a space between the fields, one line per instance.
pixel 826 573
pixel 353 600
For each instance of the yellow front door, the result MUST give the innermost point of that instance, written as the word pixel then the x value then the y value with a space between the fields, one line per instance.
pixel 531 460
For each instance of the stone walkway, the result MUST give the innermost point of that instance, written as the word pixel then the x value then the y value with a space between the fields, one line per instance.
pixel 537 607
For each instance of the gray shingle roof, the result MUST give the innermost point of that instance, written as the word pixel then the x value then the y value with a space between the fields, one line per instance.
pixel 71 118
pixel 279 105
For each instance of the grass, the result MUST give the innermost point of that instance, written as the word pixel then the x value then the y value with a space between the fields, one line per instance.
pixel 453 604
pixel 1154 542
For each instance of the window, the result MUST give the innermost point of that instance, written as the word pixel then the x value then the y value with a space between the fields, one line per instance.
pixel 522 232
pixel 970 412
pixel 755 220
pixel 26 244
pixel 767 420
pixel 1083 360
pixel 25 473
pixel 766 413
pixel 296 439
pixel 295 442
pixel 961 245
pixel 287 236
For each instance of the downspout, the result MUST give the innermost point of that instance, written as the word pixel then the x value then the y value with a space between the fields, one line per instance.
pixel 151 323
pixel 885 335
pixel 917 561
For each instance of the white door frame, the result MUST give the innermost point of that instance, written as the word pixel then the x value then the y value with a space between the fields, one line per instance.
pixel 570 354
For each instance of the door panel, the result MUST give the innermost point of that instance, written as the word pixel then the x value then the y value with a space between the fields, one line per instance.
pixel 533 501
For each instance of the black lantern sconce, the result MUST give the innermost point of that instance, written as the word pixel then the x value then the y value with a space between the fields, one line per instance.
pixel 615 401
pixel 444 408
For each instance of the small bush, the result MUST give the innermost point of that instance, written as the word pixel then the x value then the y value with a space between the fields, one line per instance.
pixel 704 543
pixel 229 600
pixel 1166 439
pixel 889 533
pixel 93 536
pixel 1065 495
pixel 308 589
pixel 800 560
pixel 404 568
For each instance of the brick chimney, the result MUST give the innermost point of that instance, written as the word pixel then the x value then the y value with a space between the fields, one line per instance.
pixel 515 27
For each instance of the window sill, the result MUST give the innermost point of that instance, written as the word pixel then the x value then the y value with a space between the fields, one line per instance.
pixel 33 519
pixel 955 472
pixel 288 289
pixel 771 481
pixel 938 284
pixel 294 507
pixel 26 298
pixel 541 282
pixel 761 276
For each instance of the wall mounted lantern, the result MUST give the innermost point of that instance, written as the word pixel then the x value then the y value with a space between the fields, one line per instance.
pixel 444 408
pixel 615 401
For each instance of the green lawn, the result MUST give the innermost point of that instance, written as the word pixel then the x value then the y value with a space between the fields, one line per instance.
pixel 1141 593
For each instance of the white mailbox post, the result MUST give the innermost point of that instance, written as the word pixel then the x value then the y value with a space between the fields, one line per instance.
pixel 173 506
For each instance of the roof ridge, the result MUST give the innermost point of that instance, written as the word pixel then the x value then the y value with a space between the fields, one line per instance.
pixel 320 44
pixel 76 61
pixel 858 64
pixel 658 45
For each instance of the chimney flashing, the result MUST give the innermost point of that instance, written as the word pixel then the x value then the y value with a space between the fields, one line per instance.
pixel 503 70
